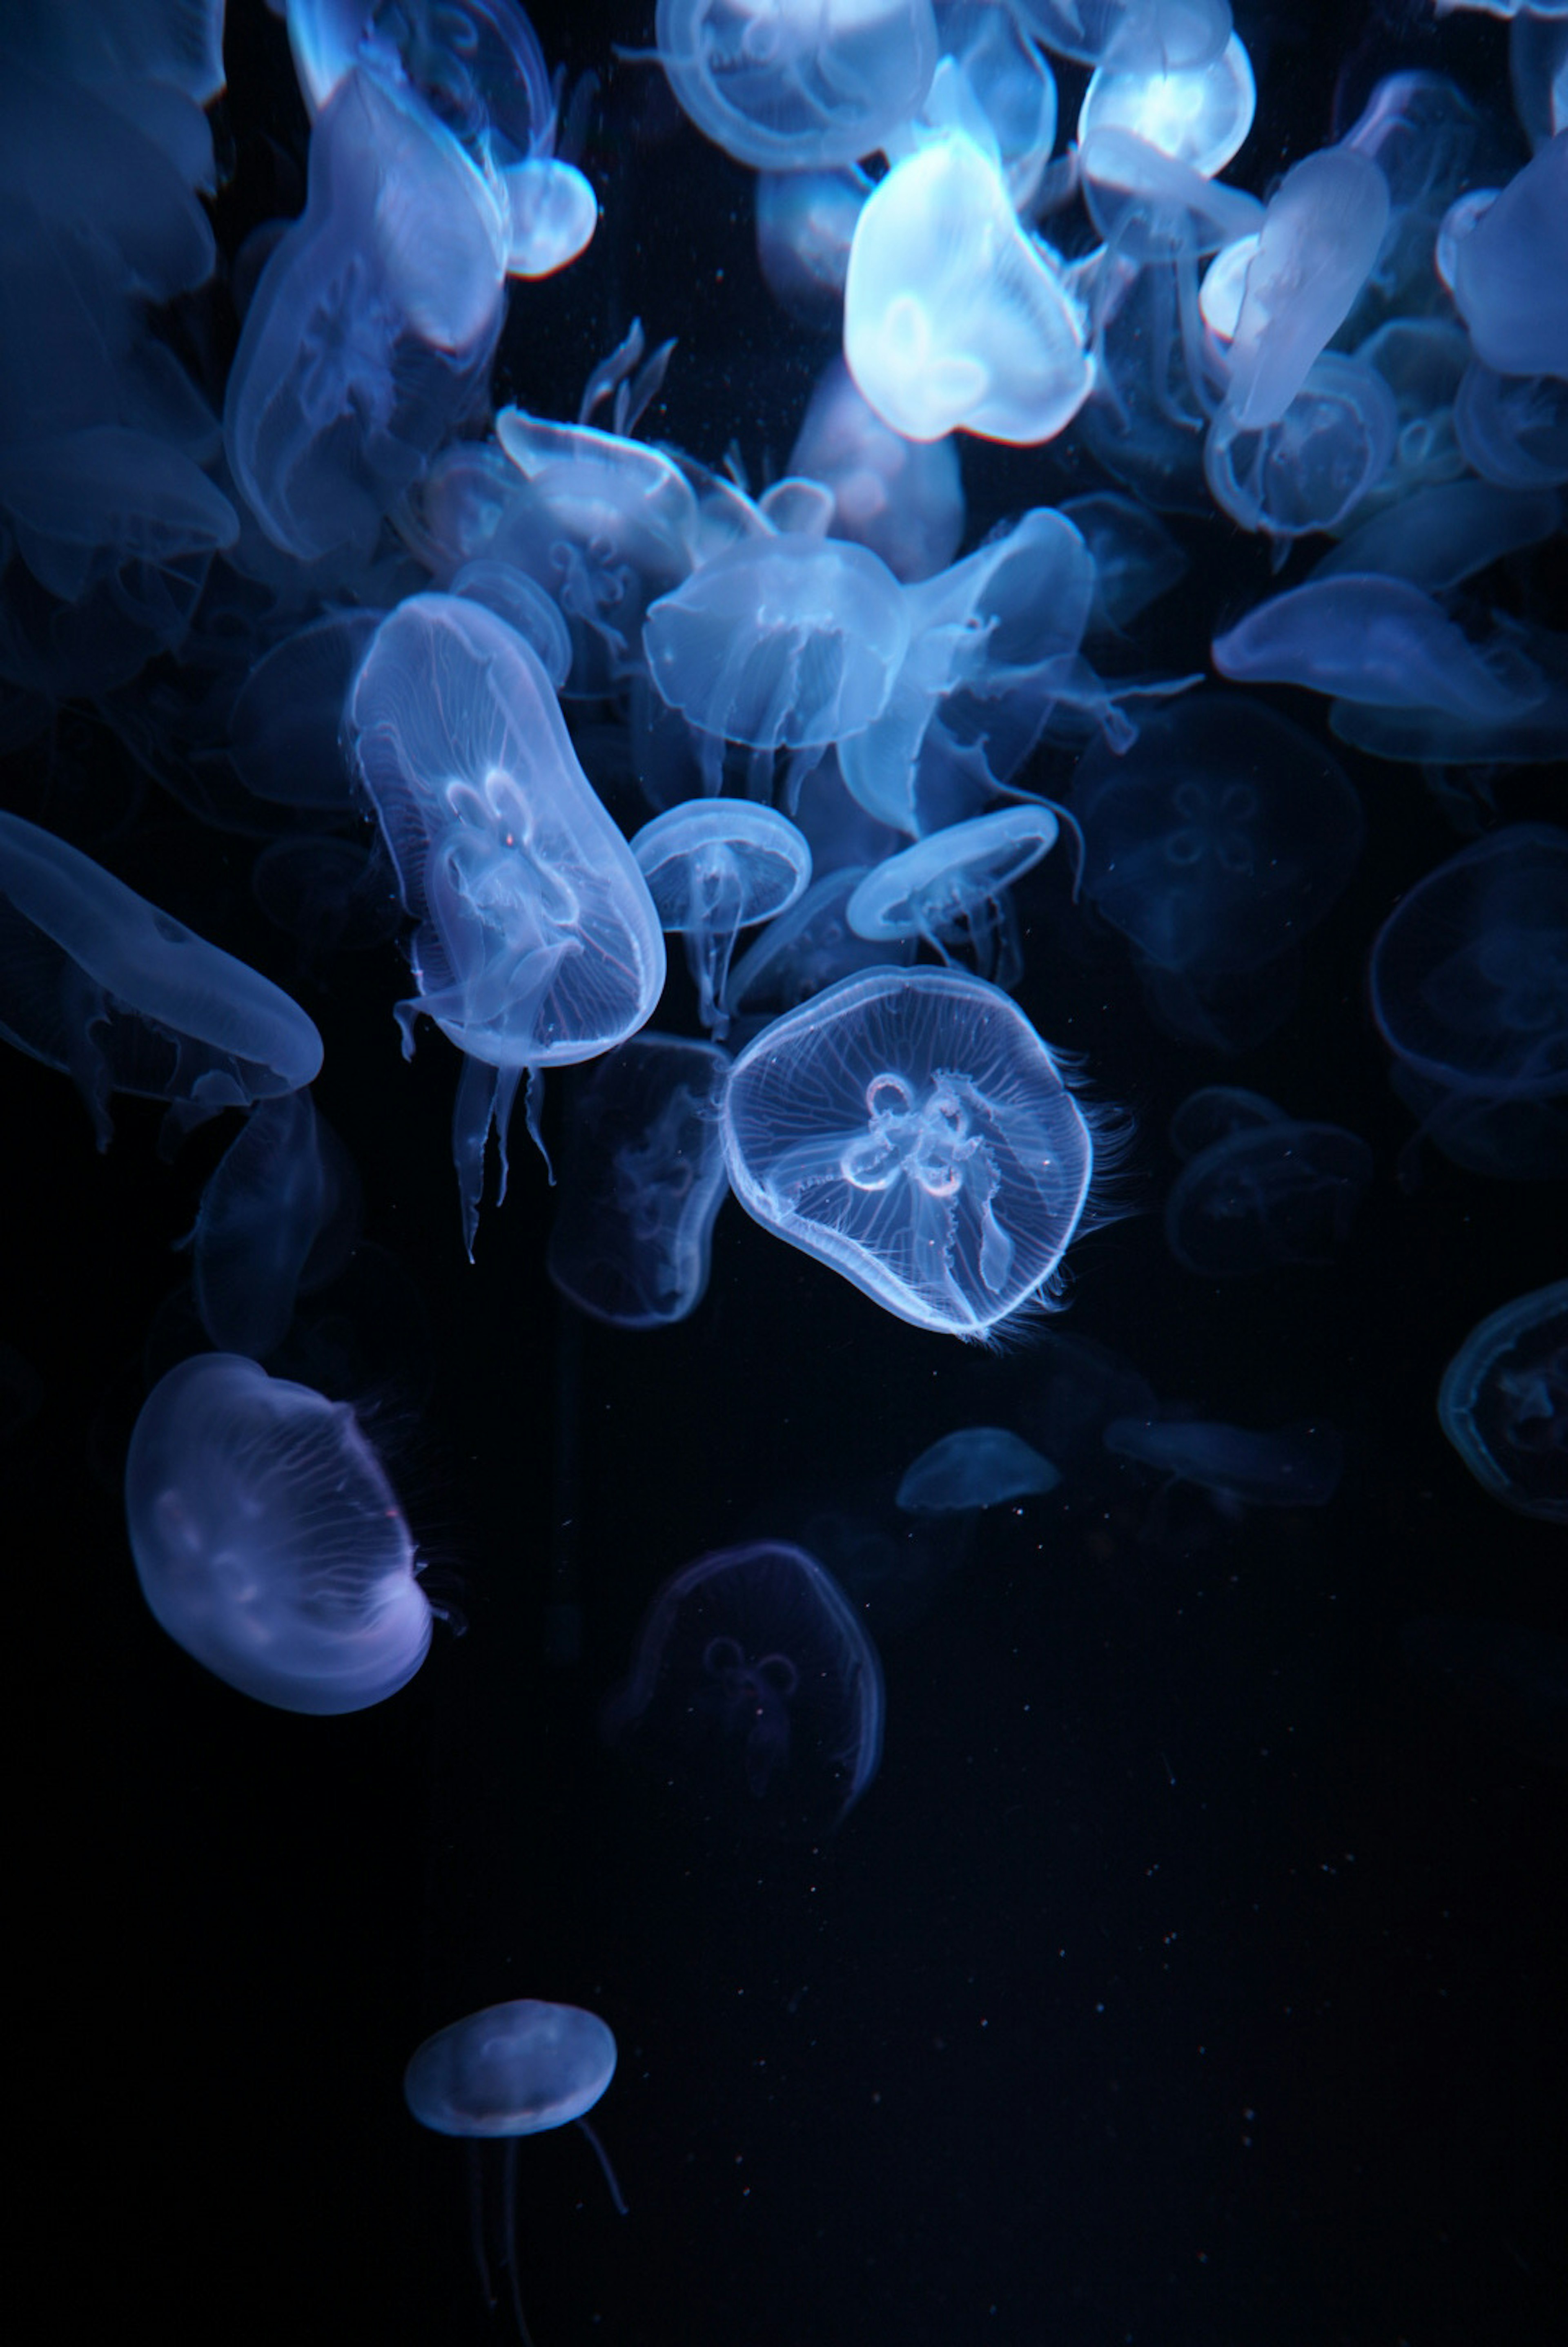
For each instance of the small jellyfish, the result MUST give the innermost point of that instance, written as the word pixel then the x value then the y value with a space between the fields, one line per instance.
pixel 952 886
pixel 278 1217
pixel 909 1129
pixel 1503 1403
pixel 267 1540
pixel 753 1680
pixel 977 1467
pixel 1288 1467
pixel 714 867
pixel 642 1183
pixel 507 2071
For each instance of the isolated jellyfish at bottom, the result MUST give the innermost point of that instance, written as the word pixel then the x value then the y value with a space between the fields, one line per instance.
pixel 1287 1467
pixel 911 1128
pixel 507 2071
pixel 641 1183
pixel 976 1467
pixel 755 1685
pixel 1503 1403
pixel 714 867
pixel 267 1540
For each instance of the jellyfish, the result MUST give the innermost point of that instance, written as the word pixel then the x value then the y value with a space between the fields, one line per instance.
pixel 754 1681
pixel 901 499
pixel 538 943
pixel 1505 256
pixel 1310 468
pixel 1503 1403
pixel 953 319
pixel 953 885
pixel 1376 639
pixel 976 1467
pixel 1266 1192
pixel 1287 1467
pixel 1319 238
pixel 1198 114
pixel 801 87
pixel 267 1540
pixel 642 1183
pixel 510 2070
pixel 714 867
pixel 808 949
pixel 278 1216
pixel 909 1129
pixel 99 983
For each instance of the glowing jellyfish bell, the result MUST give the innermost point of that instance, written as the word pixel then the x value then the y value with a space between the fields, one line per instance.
pixel 715 867
pixel 953 318
pixel 909 1129
pixel 1199 114
pixel 949 884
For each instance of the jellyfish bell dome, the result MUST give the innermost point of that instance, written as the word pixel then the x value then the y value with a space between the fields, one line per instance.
pixel 512 2069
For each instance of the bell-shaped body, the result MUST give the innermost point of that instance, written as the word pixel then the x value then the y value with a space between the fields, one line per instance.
pixel 754 1681
pixel 1377 640
pixel 1470 973
pixel 947 885
pixel 911 1128
pixel 953 317
pixel 267 1540
pixel 1503 1403
pixel 1509 267
pixel 512 2069
pixel 1266 1194
pixel 781 641
pixel 642 1183
pixel 1199 114
pixel 714 867
pixel 277 1214
pixel 797 85
pixel 98 982
pixel 539 943
pixel 977 1467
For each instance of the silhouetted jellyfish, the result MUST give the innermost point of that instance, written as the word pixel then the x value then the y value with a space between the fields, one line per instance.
pixel 976 1467
pixel 951 887
pixel 538 943
pixel 1267 1192
pixel 714 867
pixel 911 1128
pixel 279 1214
pixel 955 319
pixel 507 2071
pixel 799 87
pixel 1470 973
pixel 642 1182
pixel 1220 838
pixel 267 1540
pixel 1290 1467
pixel 1503 1403
pixel 99 983
pixel 755 1682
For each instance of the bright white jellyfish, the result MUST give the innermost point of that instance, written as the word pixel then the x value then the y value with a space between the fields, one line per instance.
pixel 909 1128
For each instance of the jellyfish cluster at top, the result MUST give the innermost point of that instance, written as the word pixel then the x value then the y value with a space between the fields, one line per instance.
pixel 526 698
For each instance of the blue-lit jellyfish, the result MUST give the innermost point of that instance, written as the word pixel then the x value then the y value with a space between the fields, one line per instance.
pixel 911 1128
pixel 1199 114
pixel 1270 1190
pixel 99 983
pixel 795 85
pixel 754 1681
pixel 267 1540
pixel 279 1214
pixel 1378 639
pixel 1287 1467
pixel 641 1184
pixel 977 1467
pixel 714 867
pixel 951 887
pixel 808 949
pixel 510 2070
pixel 1503 1403
pixel 538 943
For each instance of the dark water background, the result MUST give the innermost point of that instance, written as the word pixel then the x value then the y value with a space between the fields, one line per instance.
pixel 1193 1971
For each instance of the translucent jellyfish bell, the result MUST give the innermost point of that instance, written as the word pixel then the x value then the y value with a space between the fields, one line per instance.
pixel 267 1540
pixel 909 1129
pixel 948 886
pixel 715 867
pixel 1381 640
pixel 1503 1403
pixel 797 85
pixel 1199 114
pixel 977 1467
pixel 953 318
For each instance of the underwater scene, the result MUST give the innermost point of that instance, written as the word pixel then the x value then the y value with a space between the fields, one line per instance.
pixel 784 1023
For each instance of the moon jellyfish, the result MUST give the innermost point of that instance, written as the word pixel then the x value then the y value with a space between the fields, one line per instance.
pixel 952 318
pixel 1198 114
pixel 642 1183
pixel 1506 259
pixel 909 1129
pixel 952 886
pixel 278 1215
pixel 510 2070
pixel 267 1540
pixel 1319 238
pixel 797 85
pixel 1309 468
pixel 1290 1467
pixel 713 867
pixel 1266 1192
pixel 754 1681
pixel 1503 1403
pixel 537 943
pixel 97 982
pixel 977 1467
pixel 1376 640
